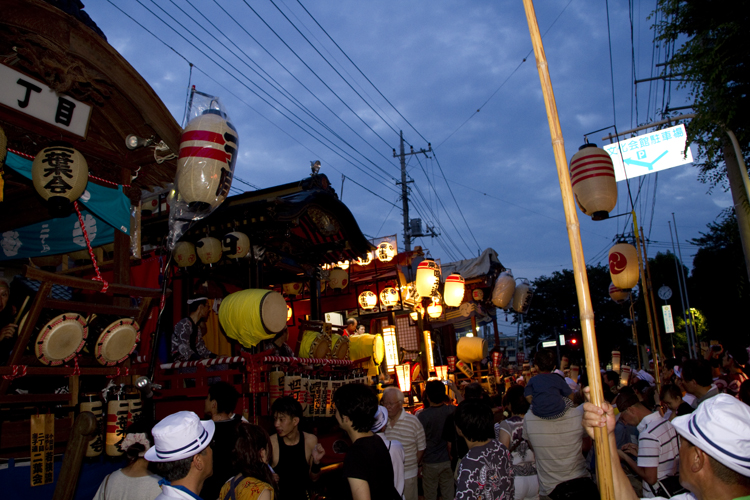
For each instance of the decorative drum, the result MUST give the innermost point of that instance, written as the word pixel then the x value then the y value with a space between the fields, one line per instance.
pixel 250 316
pixel 112 339
pixel 91 401
pixel 61 337
pixel 367 346
pixel 471 349
pixel 339 347
pixel 315 345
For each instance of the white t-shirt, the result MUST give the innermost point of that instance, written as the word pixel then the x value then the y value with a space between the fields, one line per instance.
pixel 657 447
pixel 397 459
pixel 121 487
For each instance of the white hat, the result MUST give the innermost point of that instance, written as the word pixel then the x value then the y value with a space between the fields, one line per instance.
pixel 381 418
pixel 716 427
pixel 180 435
pixel 643 375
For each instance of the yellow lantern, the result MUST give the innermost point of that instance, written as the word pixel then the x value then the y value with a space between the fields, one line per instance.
pixel 368 300
pixel 288 313
pixel 414 315
pixel 391 346
pixel 209 250
pixel 403 375
pixel 292 289
pixel 505 286
pixel 477 294
pixel 435 309
pixel 338 278
pixel 616 361
pixel 428 278
pixel 522 297
pixel 235 245
pixel 60 174
pixel 184 254
pixel 385 252
pixel 619 296
pixel 623 266
pixel 592 176
pixel 454 290
pixel 428 347
pixel 343 264
pixel 389 297
pixel 364 261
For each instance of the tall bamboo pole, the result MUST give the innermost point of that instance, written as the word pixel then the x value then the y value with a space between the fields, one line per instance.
pixel 603 458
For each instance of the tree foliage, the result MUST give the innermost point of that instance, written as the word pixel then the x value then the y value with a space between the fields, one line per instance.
pixel 712 59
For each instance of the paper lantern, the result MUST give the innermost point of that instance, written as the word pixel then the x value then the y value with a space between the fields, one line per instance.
pixel 428 278
pixel 292 289
pixel 623 266
pixel 208 150
pixel 616 361
pixel 625 375
pixel 184 254
pixel 60 175
pixel 418 309
pixel 477 294
pixel 505 286
pixel 385 252
pixel 389 297
pixel 338 278
pixel 435 309
pixel 522 297
pixel 343 264
pixel 364 261
pixel 619 296
pixel 288 313
pixel 403 375
pixel 368 300
pixel 592 176
pixel 209 250
pixel 391 346
pixel 235 245
pixel 428 348
pixel 453 293
pixel 441 372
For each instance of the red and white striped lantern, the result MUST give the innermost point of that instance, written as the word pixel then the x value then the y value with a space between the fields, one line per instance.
pixel 592 175
pixel 428 278
pixel 453 294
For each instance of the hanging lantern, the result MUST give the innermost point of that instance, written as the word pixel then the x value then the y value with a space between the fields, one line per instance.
pixel 428 278
pixel 235 245
pixel 454 290
pixel 288 313
pixel 391 346
pixel 619 296
pixel 60 175
pixel 338 278
pixel 418 309
pixel 364 261
pixel 502 293
pixel 616 361
pixel 522 296
pixel 592 176
pixel 292 289
pixel 389 297
pixel 403 375
pixel 435 309
pixel 428 347
pixel 441 372
pixel 368 300
pixel 209 250
pixel 623 266
pixel 477 294
pixel 208 150
pixel 343 264
pixel 385 252
pixel 184 254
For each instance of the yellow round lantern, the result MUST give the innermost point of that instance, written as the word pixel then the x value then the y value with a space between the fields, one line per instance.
pixel 428 278
pixel 368 300
pixel 454 290
pixel 208 250
pixel 619 296
pixel 364 261
pixel 505 286
pixel 477 294
pixel 288 313
pixel 235 245
pixel 184 254
pixel 389 297
pixel 338 278
pixel 292 289
pixel 60 174
pixel 208 150
pixel 592 176
pixel 385 252
pixel 623 266
pixel 435 309
pixel 522 297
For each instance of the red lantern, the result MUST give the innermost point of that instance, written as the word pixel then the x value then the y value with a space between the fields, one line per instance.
pixel 619 296
pixel 593 178
pixel 623 266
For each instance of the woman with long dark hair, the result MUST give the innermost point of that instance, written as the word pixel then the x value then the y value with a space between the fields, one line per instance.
pixel 254 480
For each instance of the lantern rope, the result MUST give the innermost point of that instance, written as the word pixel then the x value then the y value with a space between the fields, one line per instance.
pixel 98 276
pixel 91 176
pixel 23 155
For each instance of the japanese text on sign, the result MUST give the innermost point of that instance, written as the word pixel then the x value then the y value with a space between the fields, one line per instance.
pixel 649 153
pixel 668 321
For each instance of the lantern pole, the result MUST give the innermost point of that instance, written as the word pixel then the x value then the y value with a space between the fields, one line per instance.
pixel 601 441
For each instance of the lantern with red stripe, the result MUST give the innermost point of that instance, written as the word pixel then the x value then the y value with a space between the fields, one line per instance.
pixel 454 290
pixel 619 296
pixel 208 149
pixel 428 278
pixel 623 266
pixel 593 178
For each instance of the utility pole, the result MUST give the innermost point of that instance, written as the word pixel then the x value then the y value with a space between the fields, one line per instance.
pixel 405 190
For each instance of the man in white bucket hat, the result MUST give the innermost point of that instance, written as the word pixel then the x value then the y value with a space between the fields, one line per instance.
pixel 182 454
pixel 714 449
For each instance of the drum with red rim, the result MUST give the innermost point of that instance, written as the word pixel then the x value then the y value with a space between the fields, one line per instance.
pixel 59 337
pixel 112 339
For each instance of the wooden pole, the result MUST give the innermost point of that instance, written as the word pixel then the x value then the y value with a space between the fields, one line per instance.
pixel 601 441
pixel 85 425
pixel 641 250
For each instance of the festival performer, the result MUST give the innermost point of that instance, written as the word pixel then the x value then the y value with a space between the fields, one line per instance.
pixel 187 340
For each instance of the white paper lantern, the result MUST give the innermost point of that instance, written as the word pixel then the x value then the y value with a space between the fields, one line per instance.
pixel 292 289
pixel 368 300
pixel 428 278
pixel 505 286
pixel 453 293
pixel 619 296
pixel 184 254
pixel 522 297
pixel 389 297
pixel 477 294
pixel 435 309
pixel 209 250
pixel 391 346
pixel 60 175
pixel 338 278
pixel 385 252
pixel 592 176
pixel 235 245
pixel 623 266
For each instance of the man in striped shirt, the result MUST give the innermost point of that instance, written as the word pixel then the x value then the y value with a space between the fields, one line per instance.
pixel 405 428
pixel 657 450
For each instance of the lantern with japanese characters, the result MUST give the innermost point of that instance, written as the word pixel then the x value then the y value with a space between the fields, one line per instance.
pixel 389 297
pixel 623 266
pixel 385 252
pixel 235 245
pixel 338 278
pixel 505 286
pixel 60 175
pixel 619 296
pixel 184 254
pixel 592 176
pixel 453 293
pixel 368 300
pixel 363 261
pixel 428 278
pixel 208 150
pixel 522 296
pixel 208 250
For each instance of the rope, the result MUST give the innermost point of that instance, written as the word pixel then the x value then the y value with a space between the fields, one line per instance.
pixel 23 155
pixel 92 176
pixel 125 372
pixel 18 371
pixel 76 368
pixel 98 276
